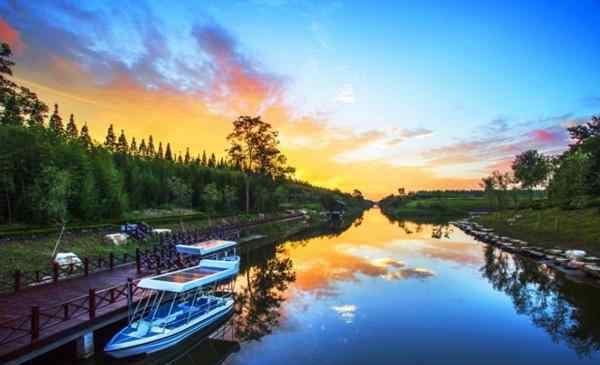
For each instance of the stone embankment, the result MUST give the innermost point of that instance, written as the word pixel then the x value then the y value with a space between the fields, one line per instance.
pixel 572 262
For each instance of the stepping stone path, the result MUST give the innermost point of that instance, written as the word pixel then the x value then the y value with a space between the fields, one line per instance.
pixel 574 261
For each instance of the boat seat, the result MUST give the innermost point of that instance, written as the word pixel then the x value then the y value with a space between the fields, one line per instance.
pixel 142 329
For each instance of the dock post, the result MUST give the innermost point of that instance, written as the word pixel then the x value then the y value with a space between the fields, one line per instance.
pixel 17 280
pixel 111 260
pixel 55 272
pixel 92 303
pixel 86 266
pixel 35 323
pixel 138 260
pixel 129 297
pixel 85 345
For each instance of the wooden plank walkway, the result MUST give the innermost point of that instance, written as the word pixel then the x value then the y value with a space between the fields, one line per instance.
pixel 43 315
pixel 18 304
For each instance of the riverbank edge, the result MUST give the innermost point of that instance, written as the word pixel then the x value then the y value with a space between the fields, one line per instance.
pixel 573 263
pixel 278 230
pixel 549 228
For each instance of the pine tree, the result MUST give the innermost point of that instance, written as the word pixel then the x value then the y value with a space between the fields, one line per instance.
pixel 142 151
pixel 204 160
pixel 188 158
pixel 197 160
pixel 150 152
pixel 72 131
pixel 123 145
pixel 179 159
pixel 84 136
pixel 37 114
pixel 56 124
pixel 212 161
pixel 160 154
pixel 110 141
pixel 11 115
pixel 133 147
pixel 168 153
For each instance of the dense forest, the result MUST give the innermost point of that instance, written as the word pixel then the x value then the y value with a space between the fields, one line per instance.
pixel 51 170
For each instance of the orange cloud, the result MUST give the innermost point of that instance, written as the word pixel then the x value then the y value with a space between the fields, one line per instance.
pixel 319 265
pixel 191 103
pixel 9 35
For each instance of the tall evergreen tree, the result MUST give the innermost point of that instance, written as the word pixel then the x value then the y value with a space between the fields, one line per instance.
pixel 212 161
pixel 179 159
pixel 188 158
pixel 111 140
pixel 204 160
pixel 142 151
pixel 56 124
pixel 37 114
pixel 168 153
pixel 160 153
pixel 11 115
pixel 84 136
pixel 6 65
pixel 133 149
pixel 150 151
pixel 72 131
pixel 123 145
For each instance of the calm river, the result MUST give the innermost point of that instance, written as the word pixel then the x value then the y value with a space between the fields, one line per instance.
pixel 383 292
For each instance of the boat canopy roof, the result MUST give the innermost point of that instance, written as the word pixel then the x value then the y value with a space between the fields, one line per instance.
pixel 206 273
pixel 205 247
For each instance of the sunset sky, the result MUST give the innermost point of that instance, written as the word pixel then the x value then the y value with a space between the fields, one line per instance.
pixel 422 95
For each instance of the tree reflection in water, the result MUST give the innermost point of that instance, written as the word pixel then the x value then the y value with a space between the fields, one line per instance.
pixel 566 310
pixel 266 276
pixel 440 228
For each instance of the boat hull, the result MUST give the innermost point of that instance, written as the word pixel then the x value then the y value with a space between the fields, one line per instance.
pixel 154 345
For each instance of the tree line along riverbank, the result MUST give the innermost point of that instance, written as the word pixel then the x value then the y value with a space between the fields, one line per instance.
pixel 548 200
pixel 53 171
pixel 534 221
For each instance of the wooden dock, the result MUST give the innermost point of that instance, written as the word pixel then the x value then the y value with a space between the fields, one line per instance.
pixel 38 319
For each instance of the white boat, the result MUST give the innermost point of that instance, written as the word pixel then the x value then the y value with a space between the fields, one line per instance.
pixel 206 247
pixel 177 305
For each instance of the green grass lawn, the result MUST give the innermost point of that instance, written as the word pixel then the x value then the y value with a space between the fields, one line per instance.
pixel 35 254
pixel 573 229
pixel 452 207
pixel 31 255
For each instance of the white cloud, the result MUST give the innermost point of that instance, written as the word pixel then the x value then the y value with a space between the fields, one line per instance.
pixel 346 312
pixel 345 95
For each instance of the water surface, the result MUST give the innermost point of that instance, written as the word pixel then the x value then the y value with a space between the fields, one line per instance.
pixel 398 292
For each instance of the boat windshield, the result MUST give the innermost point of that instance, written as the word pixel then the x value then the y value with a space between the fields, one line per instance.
pixel 186 276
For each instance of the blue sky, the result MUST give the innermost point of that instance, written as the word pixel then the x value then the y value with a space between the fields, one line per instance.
pixel 452 88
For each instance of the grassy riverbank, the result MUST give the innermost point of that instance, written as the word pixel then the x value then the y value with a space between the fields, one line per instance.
pixel 451 207
pixel 569 229
pixel 35 254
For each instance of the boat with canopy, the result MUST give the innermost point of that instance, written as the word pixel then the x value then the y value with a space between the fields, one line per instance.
pixel 177 304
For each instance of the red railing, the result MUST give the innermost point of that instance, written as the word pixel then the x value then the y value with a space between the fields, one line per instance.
pixel 28 328
pixel 157 259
